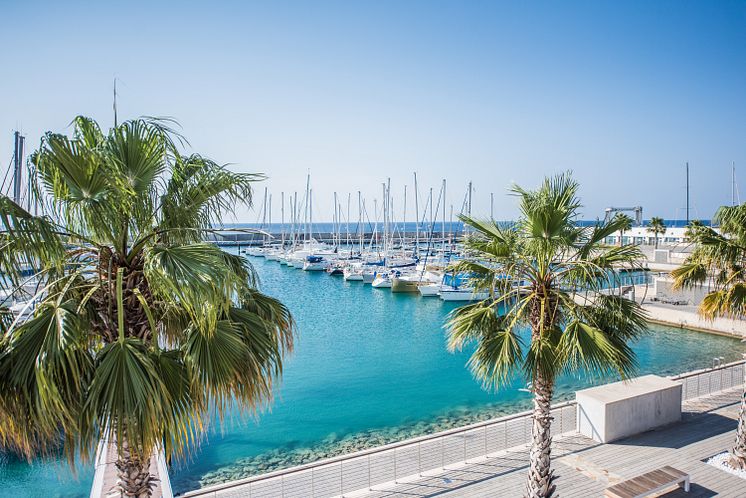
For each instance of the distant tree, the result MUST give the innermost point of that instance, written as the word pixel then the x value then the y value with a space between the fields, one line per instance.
pixel 719 259
pixel 657 226
pixel 625 223
pixel 693 228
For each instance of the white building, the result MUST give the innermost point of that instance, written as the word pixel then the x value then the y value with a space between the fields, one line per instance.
pixel 641 236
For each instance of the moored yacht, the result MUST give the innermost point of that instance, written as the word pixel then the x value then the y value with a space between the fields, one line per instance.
pixel 382 281
pixel 448 293
pixel 315 263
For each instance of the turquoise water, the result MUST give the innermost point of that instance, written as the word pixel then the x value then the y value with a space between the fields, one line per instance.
pixel 369 367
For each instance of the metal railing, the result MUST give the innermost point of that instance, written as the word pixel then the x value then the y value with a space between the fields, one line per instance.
pixel 711 380
pixel 386 464
pixel 365 469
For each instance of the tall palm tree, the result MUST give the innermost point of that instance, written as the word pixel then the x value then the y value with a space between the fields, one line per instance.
pixel 625 224
pixel 141 330
pixel 656 226
pixel 541 274
pixel 720 260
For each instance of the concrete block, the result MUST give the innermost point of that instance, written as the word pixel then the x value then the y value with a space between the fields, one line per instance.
pixel 661 255
pixel 614 411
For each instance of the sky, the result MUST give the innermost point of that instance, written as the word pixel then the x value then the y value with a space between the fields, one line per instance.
pixel 623 94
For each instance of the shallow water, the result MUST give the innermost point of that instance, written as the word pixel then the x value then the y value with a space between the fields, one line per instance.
pixel 369 367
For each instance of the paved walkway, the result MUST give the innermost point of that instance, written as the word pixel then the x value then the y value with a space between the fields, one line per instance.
pixel 585 468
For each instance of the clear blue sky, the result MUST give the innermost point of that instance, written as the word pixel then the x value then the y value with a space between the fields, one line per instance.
pixel 622 93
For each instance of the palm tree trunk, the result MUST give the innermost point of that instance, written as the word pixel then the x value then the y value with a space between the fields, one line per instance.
pixel 738 454
pixel 540 482
pixel 135 480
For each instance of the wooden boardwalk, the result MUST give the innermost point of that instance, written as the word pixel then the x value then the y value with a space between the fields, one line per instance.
pixel 585 468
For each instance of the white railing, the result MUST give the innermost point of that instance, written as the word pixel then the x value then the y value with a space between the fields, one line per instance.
pixel 711 380
pixel 364 469
pixel 386 464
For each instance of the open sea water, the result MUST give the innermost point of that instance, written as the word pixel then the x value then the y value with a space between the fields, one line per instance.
pixel 369 367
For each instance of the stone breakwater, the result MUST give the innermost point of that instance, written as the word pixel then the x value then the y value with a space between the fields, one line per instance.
pixel 333 445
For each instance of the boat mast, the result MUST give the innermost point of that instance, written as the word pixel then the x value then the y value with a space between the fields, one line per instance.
pixel 374 235
pixel 335 221
pixel 308 195
pixel 443 221
pixel 450 222
pixel 468 206
pixel 404 221
pixel 264 212
pixel 347 221
pixel 492 206
pixel 360 220
pixel 310 214
pixel 17 166
pixel 385 224
pixel 296 222
pixel 416 218
pixel 733 184
pixel 432 223
pixel 282 219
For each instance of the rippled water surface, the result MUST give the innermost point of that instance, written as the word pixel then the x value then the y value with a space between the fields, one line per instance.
pixel 369 367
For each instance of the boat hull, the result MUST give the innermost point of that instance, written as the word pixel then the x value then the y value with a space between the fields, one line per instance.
pixel 402 285
pixel 381 283
pixel 431 290
pixel 462 295
pixel 315 266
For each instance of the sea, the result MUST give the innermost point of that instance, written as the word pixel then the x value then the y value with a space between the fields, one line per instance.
pixel 369 367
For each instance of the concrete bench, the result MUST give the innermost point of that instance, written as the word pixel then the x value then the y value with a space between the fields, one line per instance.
pixel 648 484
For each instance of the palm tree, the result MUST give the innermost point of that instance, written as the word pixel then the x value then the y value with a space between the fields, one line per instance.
pixel 141 330
pixel 720 260
pixel 625 223
pixel 656 226
pixel 692 228
pixel 540 274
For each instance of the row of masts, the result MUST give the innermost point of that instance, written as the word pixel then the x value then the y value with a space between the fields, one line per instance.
pixel 299 226
pixel 23 194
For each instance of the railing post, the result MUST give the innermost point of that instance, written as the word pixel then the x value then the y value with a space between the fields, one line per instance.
pixel 313 483
pixel 369 486
pixel 442 456
pixel 464 446
pixel 419 458
pixel 394 465
pixel 341 482
pixel 282 485
pixel 485 442
pixel 506 435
